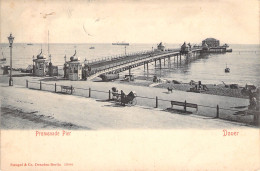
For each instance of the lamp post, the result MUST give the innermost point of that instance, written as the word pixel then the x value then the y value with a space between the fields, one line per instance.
pixel 11 39
pixel 125 50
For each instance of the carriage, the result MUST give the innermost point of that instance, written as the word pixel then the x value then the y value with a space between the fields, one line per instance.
pixel 124 99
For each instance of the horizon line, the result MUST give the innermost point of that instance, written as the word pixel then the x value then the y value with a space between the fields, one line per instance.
pixel 112 42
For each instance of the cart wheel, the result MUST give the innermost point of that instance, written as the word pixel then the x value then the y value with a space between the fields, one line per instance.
pixel 133 102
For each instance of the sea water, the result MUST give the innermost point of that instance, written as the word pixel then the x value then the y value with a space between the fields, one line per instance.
pixel 244 61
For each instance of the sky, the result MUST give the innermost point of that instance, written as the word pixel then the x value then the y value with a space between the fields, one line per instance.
pixel 133 21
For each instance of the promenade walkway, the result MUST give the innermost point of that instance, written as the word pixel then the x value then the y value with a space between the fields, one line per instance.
pixel 88 113
pixel 229 106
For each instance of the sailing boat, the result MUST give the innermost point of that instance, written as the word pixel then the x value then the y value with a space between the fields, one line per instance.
pixel 3 59
pixel 227 69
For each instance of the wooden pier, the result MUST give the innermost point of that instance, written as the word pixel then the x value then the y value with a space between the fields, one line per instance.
pixel 114 65
pixel 123 63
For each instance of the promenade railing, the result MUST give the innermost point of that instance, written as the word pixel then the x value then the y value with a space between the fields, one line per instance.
pixel 211 112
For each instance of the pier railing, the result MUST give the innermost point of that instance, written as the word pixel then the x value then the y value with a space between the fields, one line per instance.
pixel 211 112
pixel 128 55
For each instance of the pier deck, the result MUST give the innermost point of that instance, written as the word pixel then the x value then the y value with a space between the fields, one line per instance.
pixel 119 64
pixel 128 62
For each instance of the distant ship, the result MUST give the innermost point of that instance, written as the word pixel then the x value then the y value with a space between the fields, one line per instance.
pixel 125 44
pixel 92 47
pixel 29 44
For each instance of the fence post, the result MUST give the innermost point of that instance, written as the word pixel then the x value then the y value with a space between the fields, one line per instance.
pixel 156 102
pixel 55 88
pixel 185 103
pixel 40 85
pixel 71 89
pixel 26 83
pixel 109 95
pixel 89 92
pixel 217 112
pixel 121 97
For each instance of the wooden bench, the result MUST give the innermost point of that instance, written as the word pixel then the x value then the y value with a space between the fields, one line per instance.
pixel 67 89
pixel 184 104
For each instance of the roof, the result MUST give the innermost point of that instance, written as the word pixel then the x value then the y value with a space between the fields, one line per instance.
pixel 40 55
pixel 211 39
pixel 184 45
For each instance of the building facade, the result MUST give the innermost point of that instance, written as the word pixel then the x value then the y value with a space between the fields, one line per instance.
pixel 74 68
pixel 160 47
pixel 40 65
pixel 211 42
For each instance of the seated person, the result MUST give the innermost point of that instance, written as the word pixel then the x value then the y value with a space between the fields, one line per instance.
pixel 114 93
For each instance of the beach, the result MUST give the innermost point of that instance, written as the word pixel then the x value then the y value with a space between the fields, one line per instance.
pixel 213 89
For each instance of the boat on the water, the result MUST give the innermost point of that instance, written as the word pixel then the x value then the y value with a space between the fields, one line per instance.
pixel 122 43
pixel 92 47
pixel 109 77
pixel 3 59
pixel 227 69
pixel 29 44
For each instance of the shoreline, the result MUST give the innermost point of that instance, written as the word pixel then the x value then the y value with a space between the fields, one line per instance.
pixel 218 90
pixel 143 81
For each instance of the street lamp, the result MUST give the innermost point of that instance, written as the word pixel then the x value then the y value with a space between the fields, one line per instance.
pixel 11 39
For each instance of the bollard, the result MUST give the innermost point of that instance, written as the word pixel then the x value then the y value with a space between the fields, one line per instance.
pixel 26 83
pixel 40 85
pixel 55 88
pixel 109 95
pixel 89 92
pixel 156 102
pixel 217 112
pixel 71 89
pixel 185 103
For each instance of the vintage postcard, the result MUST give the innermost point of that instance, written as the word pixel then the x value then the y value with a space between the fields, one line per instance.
pixel 129 85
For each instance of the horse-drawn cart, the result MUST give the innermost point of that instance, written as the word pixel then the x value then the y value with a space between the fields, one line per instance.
pixel 124 99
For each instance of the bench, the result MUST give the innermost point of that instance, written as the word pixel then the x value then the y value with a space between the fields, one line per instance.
pixel 185 105
pixel 67 89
